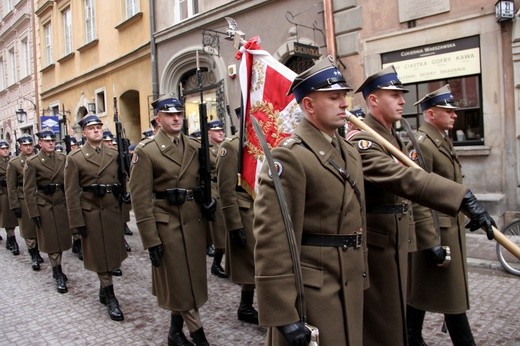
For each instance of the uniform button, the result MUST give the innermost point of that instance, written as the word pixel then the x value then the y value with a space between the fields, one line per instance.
pixel 346 282
pixel 364 274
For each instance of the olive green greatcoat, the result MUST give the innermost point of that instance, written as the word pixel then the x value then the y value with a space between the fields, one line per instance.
pixel 237 209
pixel 218 226
pixel 7 218
pixel 387 181
pixel 320 201
pixel 103 247
pixel 180 282
pixel 434 288
pixel 54 234
pixel 16 197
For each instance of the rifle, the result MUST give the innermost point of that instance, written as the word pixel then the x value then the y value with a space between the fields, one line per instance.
pixel 123 161
pixel 205 165
pixel 66 140
pixel 233 127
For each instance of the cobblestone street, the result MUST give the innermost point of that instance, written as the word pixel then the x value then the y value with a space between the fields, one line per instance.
pixel 33 313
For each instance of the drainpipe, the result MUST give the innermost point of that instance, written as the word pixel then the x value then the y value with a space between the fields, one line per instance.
pixel 153 53
pixel 329 28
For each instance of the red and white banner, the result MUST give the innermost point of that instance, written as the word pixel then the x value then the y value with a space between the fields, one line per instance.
pixel 264 82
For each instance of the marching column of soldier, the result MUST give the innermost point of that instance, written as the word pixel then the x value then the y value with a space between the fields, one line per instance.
pixel 350 201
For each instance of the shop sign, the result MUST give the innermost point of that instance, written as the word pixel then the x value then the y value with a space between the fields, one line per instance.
pixel 449 59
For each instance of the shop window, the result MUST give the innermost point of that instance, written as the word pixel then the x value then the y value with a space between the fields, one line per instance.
pixel 469 126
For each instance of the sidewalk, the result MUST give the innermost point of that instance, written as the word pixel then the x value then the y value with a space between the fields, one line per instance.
pixel 481 252
pixel 33 313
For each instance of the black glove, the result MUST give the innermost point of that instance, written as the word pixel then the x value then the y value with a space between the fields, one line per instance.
pixel 479 217
pixel 238 238
pixel 296 334
pixel 437 254
pixel 37 221
pixel 18 212
pixel 156 253
pixel 208 209
pixel 82 230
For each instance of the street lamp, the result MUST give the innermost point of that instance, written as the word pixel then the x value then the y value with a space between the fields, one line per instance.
pixel 504 10
pixel 21 115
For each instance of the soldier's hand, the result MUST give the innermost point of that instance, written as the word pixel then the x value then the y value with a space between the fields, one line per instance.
pixel 479 217
pixel 437 254
pixel 156 253
pixel 296 334
pixel 82 230
pixel 209 209
pixel 37 221
pixel 125 198
pixel 18 212
pixel 238 238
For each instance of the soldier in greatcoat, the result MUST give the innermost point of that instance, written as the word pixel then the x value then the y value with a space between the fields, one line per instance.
pixel 237 210
pixel 435 285
pixel 163 184
pixel 7 218
pixel 92 192
pixel 17 200
pixel 389 185
pixel 217 226
pixel 45 197
pixel 321 175
pixel 76 238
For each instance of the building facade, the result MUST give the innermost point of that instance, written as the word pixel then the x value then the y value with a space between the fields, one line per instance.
pixel 429 43
pixel 18 101
pixel 93 54
pixel 187 31
pixel 434 43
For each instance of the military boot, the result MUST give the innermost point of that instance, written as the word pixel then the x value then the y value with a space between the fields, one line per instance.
pixel 8 243
pixel 414 324
pixel 460 331
pixel 216 268
pixel 246 312
pixel 114 311
pixel 199 337
pixel 58 275
pixel 34 259
pixel 40 259
pixel 175 335
pixel 102 296
pixel 14 246
pixel 76 248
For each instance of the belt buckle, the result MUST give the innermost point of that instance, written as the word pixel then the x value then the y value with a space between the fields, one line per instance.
pixel 189 195
pixel 58 187
pixel 359 239
pixel 108 188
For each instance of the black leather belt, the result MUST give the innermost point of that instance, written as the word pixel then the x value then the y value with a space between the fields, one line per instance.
pixel 3 182
pixel 388 208
pixel 175 196
pixel 102 189
pixel 332 240
pixel 50 188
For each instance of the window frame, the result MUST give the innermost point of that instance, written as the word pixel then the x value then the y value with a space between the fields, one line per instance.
pixel 90 21
pixel 47 39
pixel 463 113
pixel 132 7
pixel 192 9
pixel 67 30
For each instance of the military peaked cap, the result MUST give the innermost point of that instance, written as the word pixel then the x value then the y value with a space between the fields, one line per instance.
pixel 386 79
pixel 323 76
pixel 441 97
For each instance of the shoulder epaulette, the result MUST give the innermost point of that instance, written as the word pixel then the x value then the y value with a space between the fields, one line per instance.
pixel 145 142
pixel 290 142
pixel 420 136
